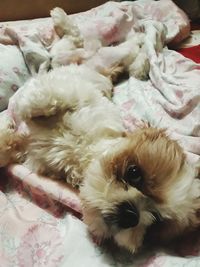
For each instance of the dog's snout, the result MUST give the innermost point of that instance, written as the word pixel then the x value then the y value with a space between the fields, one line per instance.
pixel 128 215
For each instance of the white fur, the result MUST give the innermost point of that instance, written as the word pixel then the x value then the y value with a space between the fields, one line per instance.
pixel 74 131
pixel 80 96
pixel 131 54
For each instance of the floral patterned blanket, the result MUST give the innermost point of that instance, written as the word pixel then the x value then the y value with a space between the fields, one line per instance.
pixel 39 223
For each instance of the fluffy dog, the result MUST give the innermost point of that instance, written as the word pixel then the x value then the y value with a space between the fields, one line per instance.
pixel 129 56
pixel 74 132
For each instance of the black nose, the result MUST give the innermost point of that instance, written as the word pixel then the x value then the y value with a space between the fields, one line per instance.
pixel 128 215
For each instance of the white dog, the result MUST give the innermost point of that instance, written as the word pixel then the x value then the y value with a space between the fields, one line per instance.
pixel 129 56
pixel 74 132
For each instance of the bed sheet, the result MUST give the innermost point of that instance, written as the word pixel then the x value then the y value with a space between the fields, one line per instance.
pixel 38 229
pixel 36 225
pixel 110 23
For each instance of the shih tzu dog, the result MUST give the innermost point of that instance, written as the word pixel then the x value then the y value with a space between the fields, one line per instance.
pixel 62 124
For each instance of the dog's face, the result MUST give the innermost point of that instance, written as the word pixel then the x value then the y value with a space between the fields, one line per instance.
pixel 131 186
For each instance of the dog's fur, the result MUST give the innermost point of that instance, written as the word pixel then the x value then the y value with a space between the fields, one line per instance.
pixel 75 133
pixel 129 56
pixel 62 124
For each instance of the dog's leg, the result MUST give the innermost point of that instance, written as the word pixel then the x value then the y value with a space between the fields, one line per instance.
pixel 64 26
pixel 140 66
pixel 10 140
pixel 129 56
pixel 62 89
pixel 36 99
pixel 96 226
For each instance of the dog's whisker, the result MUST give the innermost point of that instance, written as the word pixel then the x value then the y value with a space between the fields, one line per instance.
pixel 131 211
pixel 80 135
pixel 107 187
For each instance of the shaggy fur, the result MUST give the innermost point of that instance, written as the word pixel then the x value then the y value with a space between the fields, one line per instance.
pixel 129 56
pixel 74 132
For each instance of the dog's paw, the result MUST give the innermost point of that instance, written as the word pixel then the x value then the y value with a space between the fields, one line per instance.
pixel 9 139
pixel 65 26
pixel 97 229
pixel 59 16
pixel 98 240
pixel 57 13
pixel 140 67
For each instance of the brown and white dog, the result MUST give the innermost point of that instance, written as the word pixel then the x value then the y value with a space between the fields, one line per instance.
pixel 127 181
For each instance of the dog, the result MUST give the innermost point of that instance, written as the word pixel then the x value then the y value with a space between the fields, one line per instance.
pixel 63 124
pixel 128 56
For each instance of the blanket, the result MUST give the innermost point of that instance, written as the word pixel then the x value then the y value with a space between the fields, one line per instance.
pixel 43 234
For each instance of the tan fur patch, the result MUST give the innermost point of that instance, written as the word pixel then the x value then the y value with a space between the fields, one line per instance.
pixel 159 158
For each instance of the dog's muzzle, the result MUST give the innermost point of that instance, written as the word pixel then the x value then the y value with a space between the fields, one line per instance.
pixel 126 216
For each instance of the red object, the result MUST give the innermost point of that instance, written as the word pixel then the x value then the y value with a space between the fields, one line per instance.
pixel 191 52
pixel 195 25
pixel 194 51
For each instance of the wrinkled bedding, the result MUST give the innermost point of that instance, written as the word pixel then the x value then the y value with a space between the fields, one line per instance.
pixel 38 217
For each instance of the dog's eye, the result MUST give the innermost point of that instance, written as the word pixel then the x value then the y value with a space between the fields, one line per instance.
pixel 133 176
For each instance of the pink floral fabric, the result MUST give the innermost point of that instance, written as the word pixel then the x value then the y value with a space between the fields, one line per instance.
pixel 36 232
pixel 169 99
pixel 109 22
pixel 36 227
pixel 13 72
pixel 46 193
pixel 42 246
pixel 32 40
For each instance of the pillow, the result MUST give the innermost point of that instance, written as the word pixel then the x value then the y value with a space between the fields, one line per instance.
pixel 13 72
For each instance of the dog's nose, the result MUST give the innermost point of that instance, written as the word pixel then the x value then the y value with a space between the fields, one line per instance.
pixel 128 215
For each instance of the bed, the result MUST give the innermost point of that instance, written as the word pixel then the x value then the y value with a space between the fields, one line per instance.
pixel 40 219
